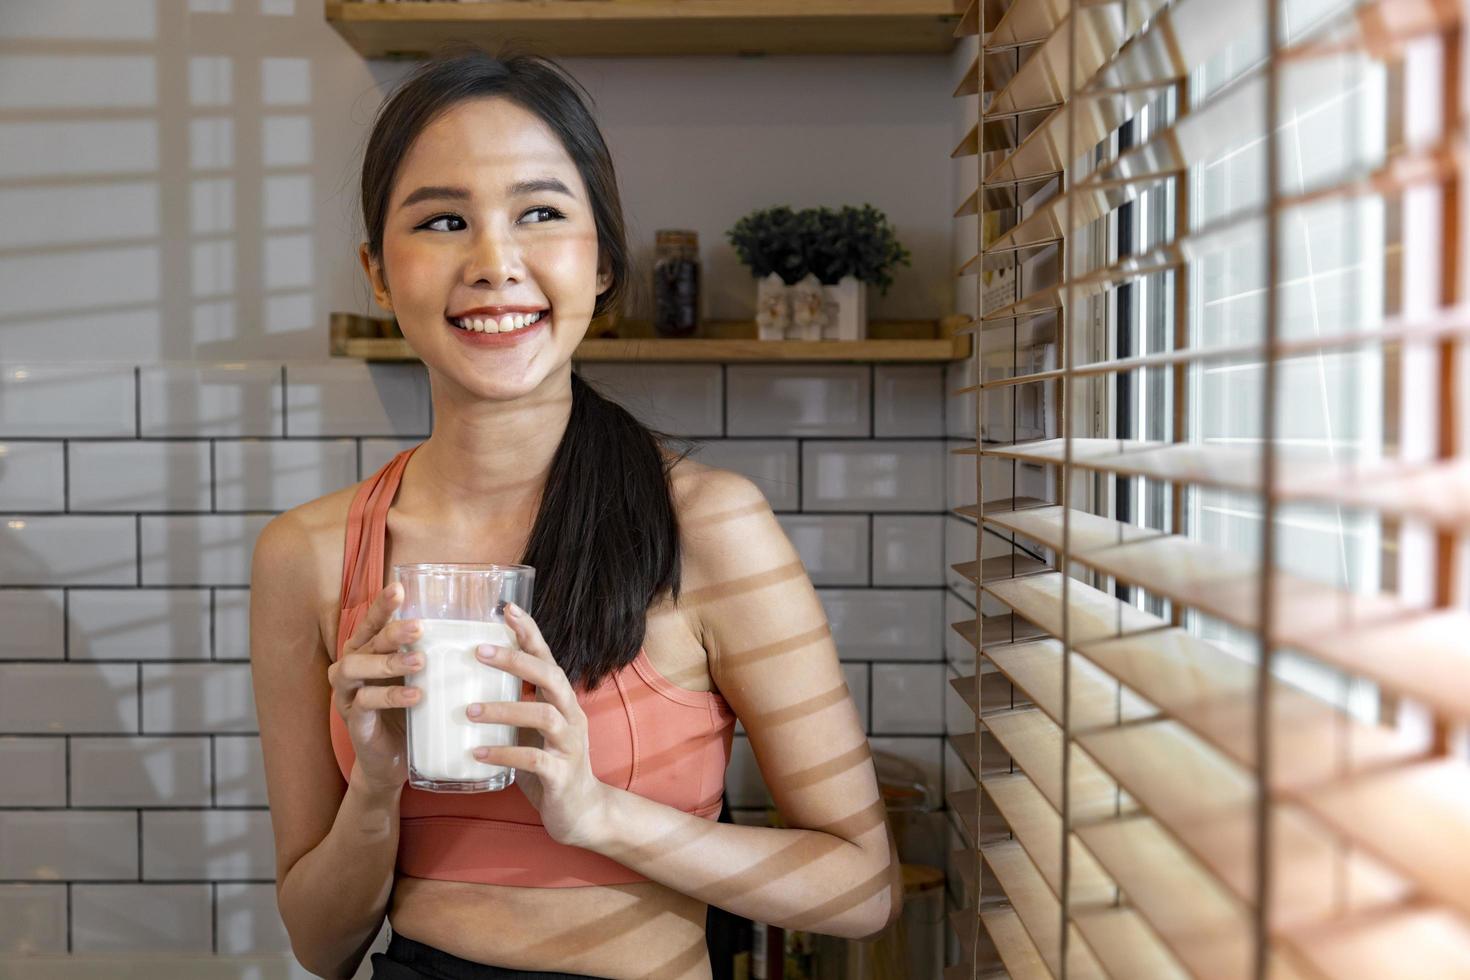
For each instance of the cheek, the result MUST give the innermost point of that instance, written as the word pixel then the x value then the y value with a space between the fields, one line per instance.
pixel 570 261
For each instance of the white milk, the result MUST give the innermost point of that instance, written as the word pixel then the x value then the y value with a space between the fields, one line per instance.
pixel 441 737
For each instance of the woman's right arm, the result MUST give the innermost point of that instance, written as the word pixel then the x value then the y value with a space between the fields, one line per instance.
pixel 336 842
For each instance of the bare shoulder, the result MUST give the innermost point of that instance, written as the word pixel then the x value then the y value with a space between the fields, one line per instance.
pixel 299 553
pixel 724 519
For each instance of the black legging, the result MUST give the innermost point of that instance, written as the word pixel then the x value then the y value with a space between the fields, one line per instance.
pixel 408 959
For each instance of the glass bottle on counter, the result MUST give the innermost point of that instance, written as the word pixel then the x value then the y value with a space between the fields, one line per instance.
pixel 675 282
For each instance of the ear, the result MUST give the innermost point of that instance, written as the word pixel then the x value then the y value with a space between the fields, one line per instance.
pixel 604 277
pixel 375 277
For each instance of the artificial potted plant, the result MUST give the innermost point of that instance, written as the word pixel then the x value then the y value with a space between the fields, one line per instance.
pixel 848 249
pixel 769 243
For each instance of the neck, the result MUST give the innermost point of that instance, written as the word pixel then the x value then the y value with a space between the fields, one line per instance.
pixel 486 463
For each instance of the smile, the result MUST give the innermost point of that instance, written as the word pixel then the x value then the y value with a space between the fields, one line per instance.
pixel 506 324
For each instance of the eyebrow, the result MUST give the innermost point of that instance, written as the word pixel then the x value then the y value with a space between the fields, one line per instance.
pixel 531 186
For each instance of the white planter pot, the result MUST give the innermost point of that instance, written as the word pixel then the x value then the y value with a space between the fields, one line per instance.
pixel 772 308
pixel 847 309
pixel 808 309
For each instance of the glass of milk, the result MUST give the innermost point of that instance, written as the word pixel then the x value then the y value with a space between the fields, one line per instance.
pixel 459 607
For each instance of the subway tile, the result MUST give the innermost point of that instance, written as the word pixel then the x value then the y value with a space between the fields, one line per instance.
pixel 68 550
pixel 210 399
pixel 197 698
pixel 915 758
pixel 277 475
pixel 31 477
pixel 679 399
pixel 208 549
pixel 908 549
pixel 140 771
pixel 136 918
pixel 908 699
pixel 232 624
pixel 239 775
pixel 249 919
pixel 54 401
pixel 959 547
pixel 139 624
pixel 357 399
pixel 378 453
pixel 32 771
pixel 833 547
pixel 908 400
pixel 856 676
pixel 32 919
pixel 885 624
pixel 140 476
pixel 34 624
pixel 207 844
pixel 960 478
pixel 872 476
pixel 72 699
pixel 771 464
pixel 799 399
pixel 52 845
pixel 744 785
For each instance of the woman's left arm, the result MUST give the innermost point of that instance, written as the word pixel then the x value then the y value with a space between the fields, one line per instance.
pixel 834 868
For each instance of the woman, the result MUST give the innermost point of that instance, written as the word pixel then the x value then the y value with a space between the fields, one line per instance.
pixel 668 601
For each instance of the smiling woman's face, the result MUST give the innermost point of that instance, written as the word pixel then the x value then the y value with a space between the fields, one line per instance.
pixel 488 210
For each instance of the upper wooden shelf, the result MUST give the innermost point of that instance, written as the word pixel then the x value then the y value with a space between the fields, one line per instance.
pixel 377 339
pixel 652 27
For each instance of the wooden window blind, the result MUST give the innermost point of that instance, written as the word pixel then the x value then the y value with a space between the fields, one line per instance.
pixel 1222 494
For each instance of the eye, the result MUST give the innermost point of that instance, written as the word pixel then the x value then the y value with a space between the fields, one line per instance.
pixel 545 209
pixel 442 217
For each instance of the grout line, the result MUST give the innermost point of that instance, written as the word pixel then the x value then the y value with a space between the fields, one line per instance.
pixel 213 479
pixel 67 760
pixel 214 917
pixel 65 623
pixel 284 431
pixel 139 814
pixel 213 615
pixel 137 402
pixel 65 475
pixel 213 774
pixel 68 917
pixel 138 548
pixel 139 665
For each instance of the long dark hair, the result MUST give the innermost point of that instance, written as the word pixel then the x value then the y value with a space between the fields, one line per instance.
pixel 605 544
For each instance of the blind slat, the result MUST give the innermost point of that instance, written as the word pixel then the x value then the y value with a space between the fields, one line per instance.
pixel 1126 947
pixel 998 568
pixel 1038 910
pixel 1403 944
pixel 1034 743
pixel 1097 699
pixel 1027 22
pixel 1037 826
pixel 1017 952
pixel 1094 615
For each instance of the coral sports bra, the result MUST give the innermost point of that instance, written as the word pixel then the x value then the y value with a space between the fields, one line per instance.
pixel 646 735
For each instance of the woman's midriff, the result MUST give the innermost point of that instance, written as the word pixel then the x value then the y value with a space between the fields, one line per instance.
pixel 641 930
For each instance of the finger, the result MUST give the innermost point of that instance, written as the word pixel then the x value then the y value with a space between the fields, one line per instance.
pixel 548 676
pixel 356 668
pixel 540 715
pixel 527 632
pixel 378 615
pixel 380 697
pixel 522 757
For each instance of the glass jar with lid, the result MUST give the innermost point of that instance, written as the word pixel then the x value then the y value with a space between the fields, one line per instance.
pixel 675 282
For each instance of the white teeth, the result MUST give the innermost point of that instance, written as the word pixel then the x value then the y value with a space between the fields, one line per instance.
pixel 512 321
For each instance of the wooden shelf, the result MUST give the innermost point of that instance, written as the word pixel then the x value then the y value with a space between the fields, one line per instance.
pixel 622 28
pixel 376 339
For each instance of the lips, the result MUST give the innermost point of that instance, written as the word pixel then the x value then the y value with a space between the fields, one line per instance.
pixel 499 338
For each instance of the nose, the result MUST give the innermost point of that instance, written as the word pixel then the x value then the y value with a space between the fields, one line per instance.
pixel 494 259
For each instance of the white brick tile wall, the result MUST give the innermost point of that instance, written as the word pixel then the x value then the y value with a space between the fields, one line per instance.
pixel 908 699
pixel 197 698
pixel 32 919
pixel 357 399
pixel 139 624
pixel 51 845
pixel 32 771
pixel 69 551
pixel 210 400
pixel 276 475
pixel 908 400
pixel 680 399
pixel 872 476
pixel 239 775
pixel 140 771
pixel 960 479
pixel 959 410
pixel 31 476
pixel 799 399
pixel 73 699
pixel 772 464
pixel 54 401
pixel 130 477
pixel 219 845
pixel 907 549
pixel 833 547
pixel 142 918
pixel 231 624
pixel 249 919
pixel 885 624
pixel 207 549
pixel 34 624
pixel 959 547
pixel 957 714
pixel 958 651
pixel 378 453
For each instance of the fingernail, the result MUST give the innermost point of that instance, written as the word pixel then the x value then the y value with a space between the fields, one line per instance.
pixel 512 609
pixel 413 660
pixel 489 652
pixel 474 710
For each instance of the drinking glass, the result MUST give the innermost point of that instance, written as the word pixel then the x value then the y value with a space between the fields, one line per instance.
pixel 459 607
